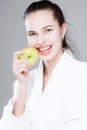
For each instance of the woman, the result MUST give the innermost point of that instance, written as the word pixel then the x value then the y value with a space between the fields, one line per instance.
pixel 52 96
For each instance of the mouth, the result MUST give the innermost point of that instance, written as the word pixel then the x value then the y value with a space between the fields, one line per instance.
pixel 44 50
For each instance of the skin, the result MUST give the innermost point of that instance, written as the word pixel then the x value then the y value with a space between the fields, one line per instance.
pixel 45 34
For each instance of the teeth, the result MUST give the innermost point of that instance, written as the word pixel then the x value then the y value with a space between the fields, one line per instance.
pixel 45 48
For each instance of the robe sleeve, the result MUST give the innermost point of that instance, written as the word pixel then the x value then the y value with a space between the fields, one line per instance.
pixel 10 121
pixel 77 112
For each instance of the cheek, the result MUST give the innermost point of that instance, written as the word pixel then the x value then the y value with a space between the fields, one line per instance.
pixel 56 36
pixel 31 41
pixel 28 41
pixel 56 40
pixel 57 43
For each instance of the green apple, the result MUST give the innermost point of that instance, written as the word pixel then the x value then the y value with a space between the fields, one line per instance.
pixel 31 55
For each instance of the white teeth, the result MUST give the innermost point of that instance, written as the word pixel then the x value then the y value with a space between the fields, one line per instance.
pixel 45 48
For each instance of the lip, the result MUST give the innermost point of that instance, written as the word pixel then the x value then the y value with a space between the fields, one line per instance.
pixel 44 50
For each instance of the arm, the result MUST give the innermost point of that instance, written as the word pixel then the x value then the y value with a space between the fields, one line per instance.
pixel 21 70
pixel 13 122
pixel 77 112
pixel 15 114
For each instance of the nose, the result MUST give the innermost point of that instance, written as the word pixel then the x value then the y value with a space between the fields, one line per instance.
pixel 40 39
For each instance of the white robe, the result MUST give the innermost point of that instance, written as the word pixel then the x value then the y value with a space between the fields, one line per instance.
pixel 61 106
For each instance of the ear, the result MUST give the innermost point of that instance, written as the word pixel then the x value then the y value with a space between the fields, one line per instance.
pixel 63 29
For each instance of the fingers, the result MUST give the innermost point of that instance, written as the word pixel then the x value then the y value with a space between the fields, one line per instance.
pixel 20 66
pixel 16 55
pixel 19 62
pixel 16 59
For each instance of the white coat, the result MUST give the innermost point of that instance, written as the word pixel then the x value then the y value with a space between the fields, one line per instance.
pixel 61 106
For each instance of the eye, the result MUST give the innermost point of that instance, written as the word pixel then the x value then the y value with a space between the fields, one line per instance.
pixel 32 34
pixel 49 30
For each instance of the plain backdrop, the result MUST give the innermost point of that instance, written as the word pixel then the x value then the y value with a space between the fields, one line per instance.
pixel 13 36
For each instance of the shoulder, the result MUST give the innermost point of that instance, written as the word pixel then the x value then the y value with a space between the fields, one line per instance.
pixel 75 69
pixel 75 63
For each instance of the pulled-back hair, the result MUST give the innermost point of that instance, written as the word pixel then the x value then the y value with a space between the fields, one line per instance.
pixel 48 5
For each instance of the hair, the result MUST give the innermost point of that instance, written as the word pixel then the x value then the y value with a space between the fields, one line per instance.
pixel 48 5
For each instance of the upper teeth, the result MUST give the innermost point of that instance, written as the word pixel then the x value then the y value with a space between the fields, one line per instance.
pixel 44 49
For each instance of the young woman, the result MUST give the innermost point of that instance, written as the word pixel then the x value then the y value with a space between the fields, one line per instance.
pixel 54 95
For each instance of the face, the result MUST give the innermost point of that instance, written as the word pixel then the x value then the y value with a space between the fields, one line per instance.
pixel 45 34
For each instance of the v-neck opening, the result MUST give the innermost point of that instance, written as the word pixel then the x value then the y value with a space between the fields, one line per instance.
pixel 57 66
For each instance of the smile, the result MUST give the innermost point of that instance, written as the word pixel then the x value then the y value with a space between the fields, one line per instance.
pixel 44 50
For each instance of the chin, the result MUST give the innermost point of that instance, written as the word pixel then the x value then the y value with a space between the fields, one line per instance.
pixel 46 58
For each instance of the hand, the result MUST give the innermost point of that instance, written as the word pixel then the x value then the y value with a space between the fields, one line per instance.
pixel 20 68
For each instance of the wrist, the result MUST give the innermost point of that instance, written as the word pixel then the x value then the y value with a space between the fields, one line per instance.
pixel 23 84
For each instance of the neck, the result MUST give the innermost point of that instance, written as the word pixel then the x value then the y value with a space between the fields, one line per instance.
pixel 49 65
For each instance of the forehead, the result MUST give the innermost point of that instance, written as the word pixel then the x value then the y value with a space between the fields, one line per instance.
pixel 40 19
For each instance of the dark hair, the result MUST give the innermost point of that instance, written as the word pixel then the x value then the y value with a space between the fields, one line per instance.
pixel 46 4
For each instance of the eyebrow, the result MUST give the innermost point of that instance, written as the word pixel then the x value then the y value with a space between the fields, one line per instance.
pixel 31 31
pixel 47 26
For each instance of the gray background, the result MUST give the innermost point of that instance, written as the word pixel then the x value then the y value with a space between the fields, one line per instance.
pixel 13 36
